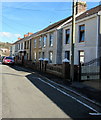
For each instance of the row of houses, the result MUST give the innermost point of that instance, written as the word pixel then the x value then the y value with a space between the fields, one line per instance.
pixel 4 52
pixel 54 41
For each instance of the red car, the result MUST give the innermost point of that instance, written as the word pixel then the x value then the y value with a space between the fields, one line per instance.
pixel 8 60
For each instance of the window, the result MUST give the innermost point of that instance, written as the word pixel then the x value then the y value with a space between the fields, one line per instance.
pixel 81 56
pixel 35 43
pixel 21 45
pixel 35 55
pixel 67 36
pixel 44 41
pixel 50 57
pixel 25 45
pixel 67 55
pixel 40 40
pixel 43 55
pixel 27 56
pixel 39 54
pixel 51 39
pixel 81 33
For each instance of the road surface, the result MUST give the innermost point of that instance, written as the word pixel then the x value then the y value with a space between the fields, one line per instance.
pixel 26 94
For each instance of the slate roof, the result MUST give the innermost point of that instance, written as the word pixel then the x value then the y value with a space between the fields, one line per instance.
pixel 57 24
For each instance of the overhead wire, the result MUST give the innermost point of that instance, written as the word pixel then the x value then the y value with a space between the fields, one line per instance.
pixel 25 25
pixel 36 9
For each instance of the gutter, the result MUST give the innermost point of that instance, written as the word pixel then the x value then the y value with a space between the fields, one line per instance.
pixel 43 33
pixel 69 22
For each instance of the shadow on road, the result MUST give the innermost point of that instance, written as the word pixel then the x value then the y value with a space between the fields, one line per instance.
pixel 59 99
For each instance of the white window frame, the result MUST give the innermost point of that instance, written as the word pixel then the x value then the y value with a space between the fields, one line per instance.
pixel 67 42
pixel 51 57
pixel 35 41
pixel 40 42
pixel 44 41
pixel 51 39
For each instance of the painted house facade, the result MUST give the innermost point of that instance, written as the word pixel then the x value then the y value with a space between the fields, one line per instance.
pixel 87 36
pixel 54 41
pixel 47 43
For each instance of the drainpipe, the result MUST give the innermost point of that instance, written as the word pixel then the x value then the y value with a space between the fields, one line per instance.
pixel 30 51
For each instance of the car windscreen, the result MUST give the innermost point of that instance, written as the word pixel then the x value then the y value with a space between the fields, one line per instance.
pixel 9 58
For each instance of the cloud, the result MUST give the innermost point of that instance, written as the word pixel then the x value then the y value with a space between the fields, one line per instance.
pixel 9 35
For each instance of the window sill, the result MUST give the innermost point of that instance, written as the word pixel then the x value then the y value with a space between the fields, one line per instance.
pixel 81 41
pixel 67 43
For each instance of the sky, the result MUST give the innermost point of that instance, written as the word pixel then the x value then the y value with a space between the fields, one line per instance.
pixel 19 18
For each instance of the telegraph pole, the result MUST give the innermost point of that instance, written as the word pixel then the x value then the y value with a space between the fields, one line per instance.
pixel 72 41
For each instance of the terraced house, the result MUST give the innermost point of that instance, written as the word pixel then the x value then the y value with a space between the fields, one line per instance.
pixel 47 43
pixel 54 41
pixel 87 36
pixel 21 47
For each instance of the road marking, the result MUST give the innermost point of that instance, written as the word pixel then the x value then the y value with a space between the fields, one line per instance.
pixel 95 114
pixel 69 96
pixel 68 89
pixel 72 91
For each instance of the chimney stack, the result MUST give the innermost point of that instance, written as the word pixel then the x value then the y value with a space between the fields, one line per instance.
pixel 81 6
pixel 26 35
pixel 29 33
pixel 19 38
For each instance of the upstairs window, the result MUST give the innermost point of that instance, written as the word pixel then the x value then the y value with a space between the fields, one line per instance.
pixel 51 39
pixel 67 41
pixel 81 33
pixel 35 43
pixel 21 45
pixel 44 41
pixel 25 45
pixel 40 42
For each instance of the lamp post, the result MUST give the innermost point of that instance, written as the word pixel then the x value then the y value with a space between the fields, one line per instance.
pixel 72 42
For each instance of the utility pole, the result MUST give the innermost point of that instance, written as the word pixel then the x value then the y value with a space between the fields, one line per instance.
pixel 72 41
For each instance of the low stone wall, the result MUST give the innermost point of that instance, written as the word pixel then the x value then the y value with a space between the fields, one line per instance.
pixel 55 70
pixel 32 65
pixel 59 70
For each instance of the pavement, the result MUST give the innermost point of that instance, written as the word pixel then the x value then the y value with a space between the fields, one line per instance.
pixel 89 89
pixel 93 83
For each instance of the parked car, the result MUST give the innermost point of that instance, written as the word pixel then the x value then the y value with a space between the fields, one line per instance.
pixel 8 60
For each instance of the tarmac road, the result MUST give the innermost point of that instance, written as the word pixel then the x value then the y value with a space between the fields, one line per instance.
pixel 27 95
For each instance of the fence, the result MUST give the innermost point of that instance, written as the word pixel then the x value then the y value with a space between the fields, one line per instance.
pixel 91 70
